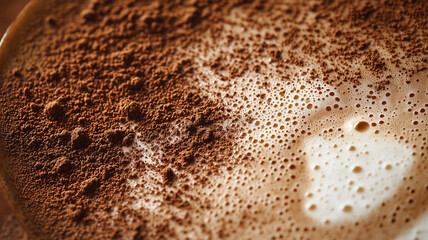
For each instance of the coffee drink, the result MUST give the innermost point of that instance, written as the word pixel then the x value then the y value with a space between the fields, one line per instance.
pixel 217 120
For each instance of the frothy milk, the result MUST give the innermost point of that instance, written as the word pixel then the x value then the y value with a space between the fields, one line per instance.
pixel 318 161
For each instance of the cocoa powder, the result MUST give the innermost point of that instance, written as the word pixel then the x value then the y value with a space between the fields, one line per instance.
pixel 11 229
pixel 114 71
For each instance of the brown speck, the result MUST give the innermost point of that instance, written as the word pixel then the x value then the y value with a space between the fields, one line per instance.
pixel 79 139
pixel 54 111
pixel 114 136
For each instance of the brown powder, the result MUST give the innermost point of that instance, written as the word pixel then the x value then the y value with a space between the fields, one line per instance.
pixel 85 95
pixel 11 229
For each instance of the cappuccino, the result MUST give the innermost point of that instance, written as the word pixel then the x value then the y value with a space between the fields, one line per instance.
pixel 225 120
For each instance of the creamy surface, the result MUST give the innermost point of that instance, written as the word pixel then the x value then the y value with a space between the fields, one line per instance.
pixel 324 157
pixel 316 158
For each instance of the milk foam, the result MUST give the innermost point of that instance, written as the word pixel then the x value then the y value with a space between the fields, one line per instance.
pixel 317 161
pixel 309 167
pixel 418 231
pixel 352 175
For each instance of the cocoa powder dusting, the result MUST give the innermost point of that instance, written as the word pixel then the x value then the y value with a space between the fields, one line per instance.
pixel 114 72
pixel 77 115
pixel 11 229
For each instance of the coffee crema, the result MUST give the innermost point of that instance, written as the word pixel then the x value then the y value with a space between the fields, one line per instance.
pixel 222 120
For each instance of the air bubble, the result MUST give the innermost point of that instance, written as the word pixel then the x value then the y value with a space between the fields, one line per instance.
pixel 362 126
pixel 357 169
pixel 347 208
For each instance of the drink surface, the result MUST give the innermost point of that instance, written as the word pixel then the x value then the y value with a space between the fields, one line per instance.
pixel 224 120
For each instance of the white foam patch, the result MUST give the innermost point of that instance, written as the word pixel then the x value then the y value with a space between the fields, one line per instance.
pixel 143 200
pixel 419 230
pixel 144 194
pixel 353 175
